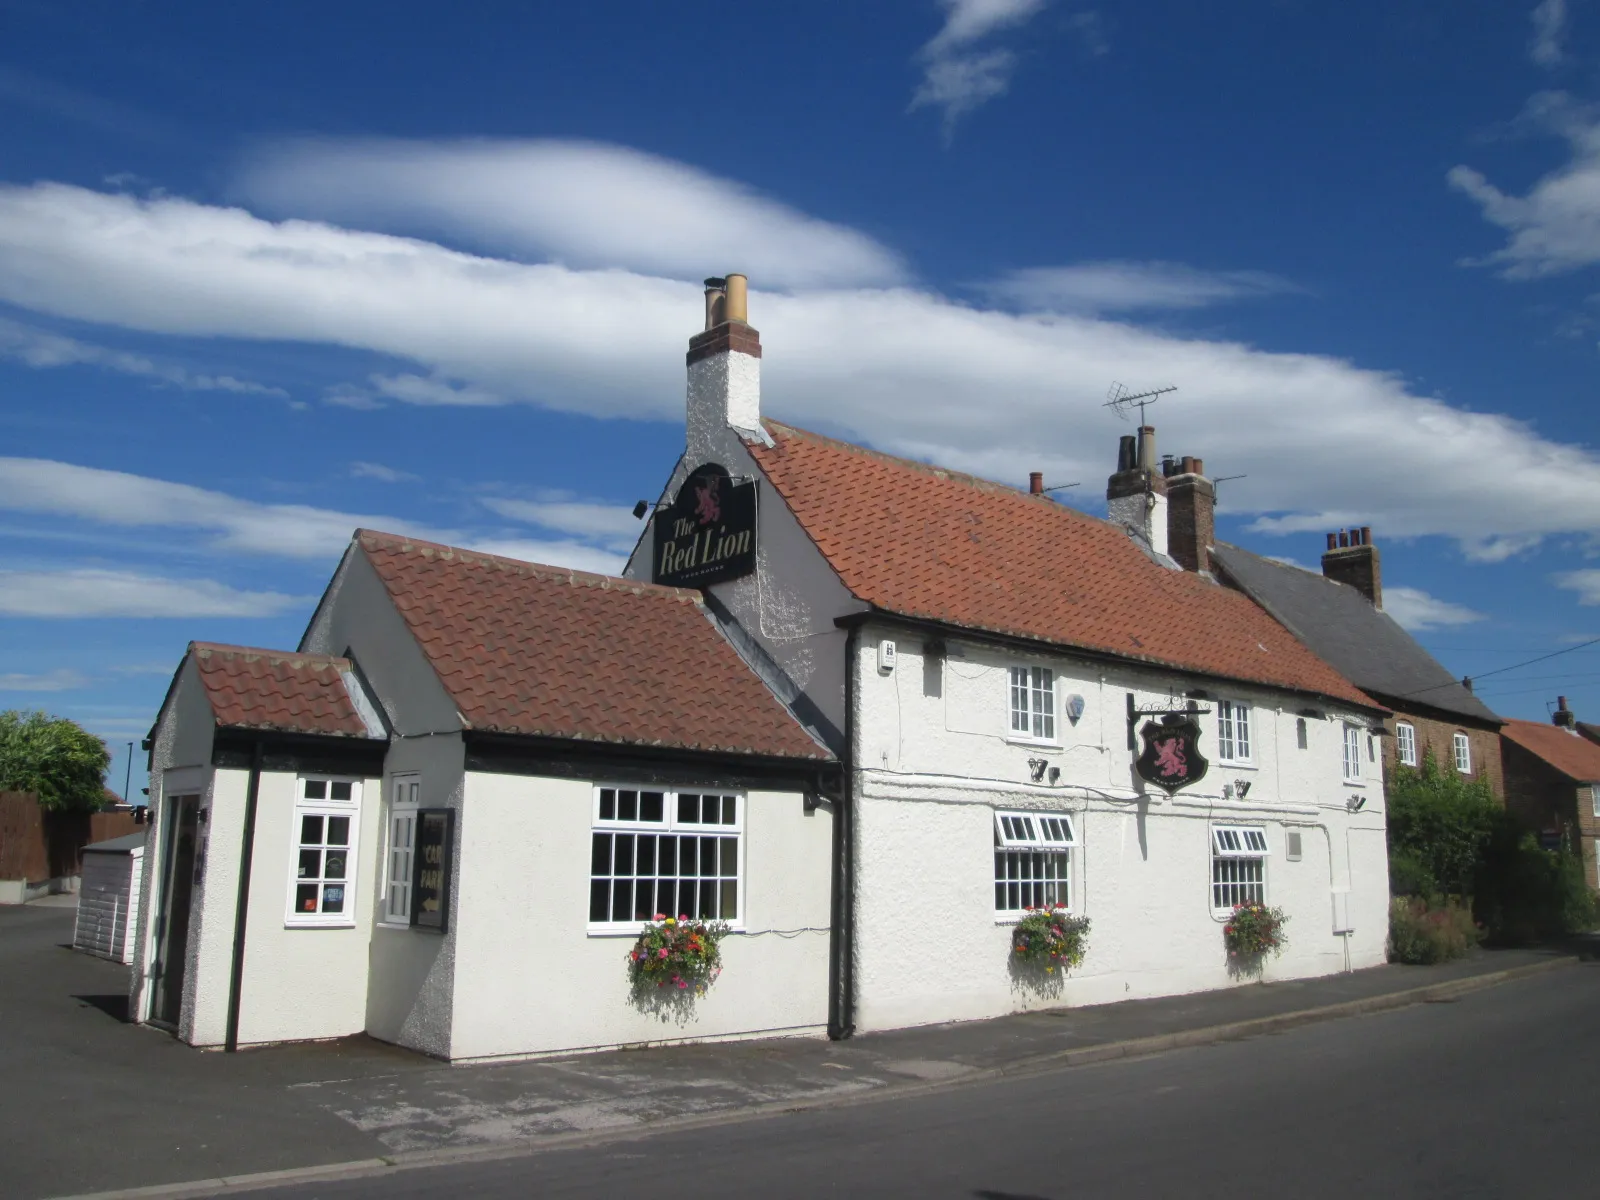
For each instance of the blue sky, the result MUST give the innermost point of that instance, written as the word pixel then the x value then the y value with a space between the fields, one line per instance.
pixel 271 272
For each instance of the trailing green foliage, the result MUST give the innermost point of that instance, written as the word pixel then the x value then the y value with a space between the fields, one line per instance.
pixel 57 760
pixel 1422 933
pixel 677 952
pixel 1448 837
pixel 1439 824
pixel 1048 937
pixel 1254 930
pixel 1527 893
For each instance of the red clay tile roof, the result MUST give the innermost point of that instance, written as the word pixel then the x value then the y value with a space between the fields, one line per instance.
pixel 924 542
pixel 1575 757
pixel 551 652
pixel 272 689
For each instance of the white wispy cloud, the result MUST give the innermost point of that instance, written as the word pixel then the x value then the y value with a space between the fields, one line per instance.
pixel 247 527
pixel 1418 611
pixel 959 74
pixel 37 348
pixel 583 204
pixel 1549 27
pixel 94 592
pixel 62 679
pixel 981 389
pixel 1555 227
pixel 60 489
pixel 611 524
pixel 1586 583
pixel 1110 287
pixel 371 470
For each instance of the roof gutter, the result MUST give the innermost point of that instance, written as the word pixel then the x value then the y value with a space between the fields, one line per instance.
pixel 853 621
pixel 842 927
pixel 241 904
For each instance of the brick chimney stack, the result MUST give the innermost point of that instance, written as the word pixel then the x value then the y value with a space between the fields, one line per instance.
pixel 724 363
pixel 1191 513
pixel 1352 558
pixel 1564 716
pixel 1137 494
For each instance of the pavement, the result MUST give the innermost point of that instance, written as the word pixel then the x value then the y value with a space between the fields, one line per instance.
pixel 78 1072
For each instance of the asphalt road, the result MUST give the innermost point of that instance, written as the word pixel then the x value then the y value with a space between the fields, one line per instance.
pixel 1492 1095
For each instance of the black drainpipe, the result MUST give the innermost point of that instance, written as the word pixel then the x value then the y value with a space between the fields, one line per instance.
pixel 841 959
pixel 241 906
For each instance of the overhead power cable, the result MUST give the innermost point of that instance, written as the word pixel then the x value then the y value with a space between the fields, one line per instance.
pixel 1502 670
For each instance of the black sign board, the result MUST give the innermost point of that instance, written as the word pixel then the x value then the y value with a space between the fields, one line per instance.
pixel 708 534
pixel 1171 757
pixel 431 866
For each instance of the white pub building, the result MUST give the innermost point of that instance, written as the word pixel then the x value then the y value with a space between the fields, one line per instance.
pixel 866 710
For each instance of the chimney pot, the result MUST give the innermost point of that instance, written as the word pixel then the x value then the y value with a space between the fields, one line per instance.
pixel 1563 715
pixel 716 298
pixel 1366 535
pixel 1333 541
pixel 1035 483
pixel 1147 448
pixel 1344 538
pixel 1127 453
pixel 736 307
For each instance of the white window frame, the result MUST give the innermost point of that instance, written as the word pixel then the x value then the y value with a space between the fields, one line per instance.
pixel 405 799
pixel 326 808
pixel 1405 743
pixel 1234 729
pixel 1239 856
pixel 1461 749
pixel 673 824
pixel 1352 753
pixel 1032 861
pixel 1032 704
pixel 1594 800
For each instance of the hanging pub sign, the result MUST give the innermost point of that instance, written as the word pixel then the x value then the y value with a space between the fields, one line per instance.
pixel 1171 757
pixel 708 534
pixel 430 889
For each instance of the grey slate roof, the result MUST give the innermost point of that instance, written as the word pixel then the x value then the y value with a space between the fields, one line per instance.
pixel 1363 643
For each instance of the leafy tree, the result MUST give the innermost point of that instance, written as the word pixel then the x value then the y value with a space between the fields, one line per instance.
pixel 1439 826
pixel 59 761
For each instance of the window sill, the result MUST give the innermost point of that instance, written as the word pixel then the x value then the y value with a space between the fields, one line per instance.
pixel 1009 919
pixel 633 931
pixel 1017 739
pixel 319 924
pixel 1239 764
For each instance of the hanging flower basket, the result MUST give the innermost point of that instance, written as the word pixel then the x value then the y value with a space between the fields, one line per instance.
pixel 1254 930
pixel 1048 937
pixel 678 953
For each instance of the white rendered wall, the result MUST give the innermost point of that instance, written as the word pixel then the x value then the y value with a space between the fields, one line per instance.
pixel 789 603
pixel 530 980
pixel 410 993
pixel 1146 512
pixel 724 390
pixel 299 982
pixel 936 759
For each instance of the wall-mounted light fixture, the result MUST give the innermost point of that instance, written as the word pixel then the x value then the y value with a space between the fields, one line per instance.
pixel 1241 788
pixel 1356 803
pixel 1036 768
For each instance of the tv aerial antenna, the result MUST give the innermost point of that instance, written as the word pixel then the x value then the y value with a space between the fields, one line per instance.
pixel 1121 400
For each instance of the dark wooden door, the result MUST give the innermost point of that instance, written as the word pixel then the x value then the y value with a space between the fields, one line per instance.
pixel 177 891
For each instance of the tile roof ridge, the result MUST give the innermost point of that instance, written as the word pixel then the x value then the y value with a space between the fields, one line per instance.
pixel 547 572
pixel 264 652
pixel 897 460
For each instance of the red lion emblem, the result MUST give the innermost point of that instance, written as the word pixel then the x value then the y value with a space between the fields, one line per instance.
pixel 707 508
pixel 1170 759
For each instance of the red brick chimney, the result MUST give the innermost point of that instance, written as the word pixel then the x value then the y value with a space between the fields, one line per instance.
pixel 1352 558
pixel 1191 514
pixel 1563 716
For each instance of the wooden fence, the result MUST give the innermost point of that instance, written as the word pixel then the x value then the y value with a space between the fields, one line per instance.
pixel 36 845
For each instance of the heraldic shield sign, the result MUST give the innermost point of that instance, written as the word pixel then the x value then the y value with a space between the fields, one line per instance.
pixel 708 534
pixel 1171 758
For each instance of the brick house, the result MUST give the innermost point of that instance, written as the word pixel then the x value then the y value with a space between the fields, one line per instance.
pixel 1339 614
pixel 1553 782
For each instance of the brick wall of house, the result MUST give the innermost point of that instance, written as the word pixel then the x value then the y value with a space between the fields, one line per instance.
pixel 1547 800
pixel 1439 736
